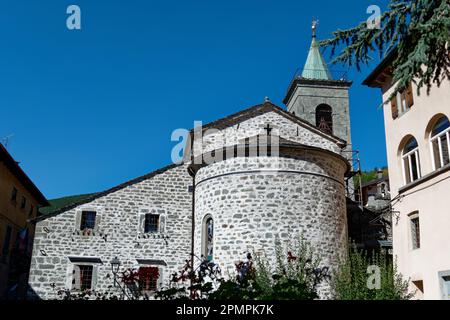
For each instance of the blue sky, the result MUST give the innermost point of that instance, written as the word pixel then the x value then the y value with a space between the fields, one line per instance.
pixel 92 108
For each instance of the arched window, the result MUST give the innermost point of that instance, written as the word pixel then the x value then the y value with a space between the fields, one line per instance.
pixel 410 161
pixel 440 143
pixel 324 118
pixel 208 238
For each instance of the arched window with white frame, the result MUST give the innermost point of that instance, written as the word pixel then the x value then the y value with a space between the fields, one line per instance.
pixel 410 161
pixel 440 143
pixel 207 238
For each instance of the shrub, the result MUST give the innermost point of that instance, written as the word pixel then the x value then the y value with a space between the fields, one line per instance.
pixel 296 277
pixel 350 281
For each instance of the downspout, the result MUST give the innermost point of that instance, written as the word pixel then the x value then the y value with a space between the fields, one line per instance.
pixel 192 173
pixel 193 223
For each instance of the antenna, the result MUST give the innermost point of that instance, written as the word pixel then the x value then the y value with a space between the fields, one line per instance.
pixel 6 139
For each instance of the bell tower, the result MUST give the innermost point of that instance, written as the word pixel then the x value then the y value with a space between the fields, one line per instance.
pixel 318 96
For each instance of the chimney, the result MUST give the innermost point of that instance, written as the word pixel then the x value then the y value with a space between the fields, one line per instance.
pixel 380 174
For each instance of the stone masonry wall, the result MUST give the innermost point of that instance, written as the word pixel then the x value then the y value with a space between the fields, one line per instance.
pixel 253 207
pixel 252 127
pixel 117 234
pixel 306 98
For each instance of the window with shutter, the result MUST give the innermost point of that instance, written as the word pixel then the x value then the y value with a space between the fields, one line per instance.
pixel 409 97
pixel 82 278
pixel 162 224
pixel 394 108
pixel 76 284
pixel 148 278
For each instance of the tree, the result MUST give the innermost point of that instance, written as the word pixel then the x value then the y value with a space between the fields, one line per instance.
pixel 418 31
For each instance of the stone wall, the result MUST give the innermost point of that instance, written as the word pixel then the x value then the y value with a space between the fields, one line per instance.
pixel 306 98
pixel 117 233
pixel 214 139
pixel 255 204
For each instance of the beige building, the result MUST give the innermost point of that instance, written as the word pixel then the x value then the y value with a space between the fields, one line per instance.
pixel 417 140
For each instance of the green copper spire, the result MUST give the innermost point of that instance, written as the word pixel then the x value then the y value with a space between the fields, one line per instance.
pixel 315 66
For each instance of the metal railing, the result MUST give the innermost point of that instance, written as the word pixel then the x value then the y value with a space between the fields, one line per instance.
pixel 312 74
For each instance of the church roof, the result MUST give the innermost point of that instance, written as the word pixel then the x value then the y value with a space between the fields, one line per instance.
pixel 258 141
pixel 315 66
pixel 264 108
pixel 231 120
pixel 79 200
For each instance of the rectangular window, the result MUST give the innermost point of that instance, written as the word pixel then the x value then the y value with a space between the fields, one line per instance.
pixel 14 194
pixel 23 203
pixel 402 102
pixel 148 278
pixel 411 166
pixel 7 241
pixel 85 276
pixel 394 108
pixel 87 220
pixel 30 213
pixel 415 233
pixel 419 288
pixel 440 149
pixel 446 283
pixel 151 224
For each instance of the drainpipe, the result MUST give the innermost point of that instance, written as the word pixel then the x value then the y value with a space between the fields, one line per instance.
pixel 192 173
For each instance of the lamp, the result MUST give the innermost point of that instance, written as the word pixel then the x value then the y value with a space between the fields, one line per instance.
pixel 115 265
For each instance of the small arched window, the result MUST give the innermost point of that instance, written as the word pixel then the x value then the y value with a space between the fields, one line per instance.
pixel 324 118
pixel 440 143
pixel 410 161
pixel 208 238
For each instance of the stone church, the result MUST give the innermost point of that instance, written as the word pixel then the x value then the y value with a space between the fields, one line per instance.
pixel 262 176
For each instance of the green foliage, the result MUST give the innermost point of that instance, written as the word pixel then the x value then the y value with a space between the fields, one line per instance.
pixel 59 203
pixel 367 176
pixel 350 282
pixel 419 30
pixel 296 277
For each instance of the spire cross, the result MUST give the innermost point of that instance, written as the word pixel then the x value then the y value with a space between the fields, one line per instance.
pixel 315 23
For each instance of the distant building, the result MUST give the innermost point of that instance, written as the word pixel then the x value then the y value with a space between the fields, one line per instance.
pixel 376 193
pixel 417 139
pixel 19 202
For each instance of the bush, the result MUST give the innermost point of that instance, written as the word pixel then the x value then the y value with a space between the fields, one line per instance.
pixel 351 281
pixel 296 277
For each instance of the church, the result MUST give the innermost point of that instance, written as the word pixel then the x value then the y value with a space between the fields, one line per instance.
pixel 262 176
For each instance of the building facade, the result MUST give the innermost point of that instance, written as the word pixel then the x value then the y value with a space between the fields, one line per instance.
pixel 20 200
pixel 250 182
pixel 244 202
pixel 417 140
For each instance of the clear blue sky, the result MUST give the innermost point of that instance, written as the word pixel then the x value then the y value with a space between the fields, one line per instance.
pixel 93 108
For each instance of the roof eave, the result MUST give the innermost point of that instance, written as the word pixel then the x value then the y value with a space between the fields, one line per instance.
pixel 23 178
pixel 371 80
